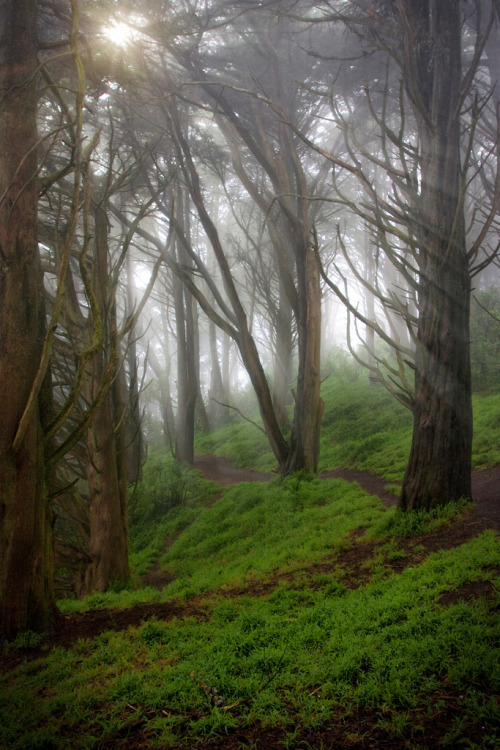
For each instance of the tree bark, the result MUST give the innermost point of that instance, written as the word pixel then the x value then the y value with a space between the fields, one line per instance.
pixel 134 442
pixel 283 358
pixel 187 372
pixel 303 453
pixel 108 546
pixel 439 468
pixel 26 556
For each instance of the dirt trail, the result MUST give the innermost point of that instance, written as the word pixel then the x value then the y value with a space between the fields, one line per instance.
pixel 69 628
pixel 485 483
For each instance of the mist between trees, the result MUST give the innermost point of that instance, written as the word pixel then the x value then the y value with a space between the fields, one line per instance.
pixel 192 196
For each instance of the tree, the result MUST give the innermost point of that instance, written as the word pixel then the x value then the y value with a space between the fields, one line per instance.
pixel 187 349
pixel 106 471
pixel 421 224
pixel 252 128
pixel 439 466
pixel 26 585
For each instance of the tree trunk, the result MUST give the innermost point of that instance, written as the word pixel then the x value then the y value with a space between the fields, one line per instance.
pixel 108 521
pixel 108 548
pixel 134 443
pixel 439 468
pixel 303 452
pixel 26 556
pixel 216 414
pixel 283 352
pixel 187 382
pixel 371 273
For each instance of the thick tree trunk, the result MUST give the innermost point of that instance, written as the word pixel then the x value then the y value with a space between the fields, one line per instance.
pixel 439 468
pixel 304 446
pixel 108 519
pixel 108 546
pixel 26 557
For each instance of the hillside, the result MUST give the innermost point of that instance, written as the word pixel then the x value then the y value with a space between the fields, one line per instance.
pixel 279 614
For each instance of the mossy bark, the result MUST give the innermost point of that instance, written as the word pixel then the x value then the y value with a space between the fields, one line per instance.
pixel 106 470
pixel 26 558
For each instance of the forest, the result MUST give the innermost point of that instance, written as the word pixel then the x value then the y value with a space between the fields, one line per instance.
pixel 249 373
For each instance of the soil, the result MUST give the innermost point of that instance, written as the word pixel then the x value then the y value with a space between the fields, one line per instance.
pixel 358 729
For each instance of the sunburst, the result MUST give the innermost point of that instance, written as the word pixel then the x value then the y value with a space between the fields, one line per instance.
pixel 119 33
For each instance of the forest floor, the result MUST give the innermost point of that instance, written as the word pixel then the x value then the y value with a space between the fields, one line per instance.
pixel 485 483
pixel 485 514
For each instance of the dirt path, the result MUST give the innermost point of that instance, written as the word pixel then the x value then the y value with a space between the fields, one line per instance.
pixel 221 470
pixel 69 628
pixel 485 483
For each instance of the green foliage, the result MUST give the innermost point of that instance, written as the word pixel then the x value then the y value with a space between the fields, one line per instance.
pixel 486 443
pixel 28 639
pixel 364 427
pixel 295 658
pixel 338 364
pixel 306 649
pixel 166 501
pixel 485 340
pixel 110 599
pixel 396 523
pixel 241 442
pixel 256 528
pixel 165 485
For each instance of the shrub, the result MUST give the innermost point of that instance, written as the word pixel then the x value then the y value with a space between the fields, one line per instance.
pixel 165 484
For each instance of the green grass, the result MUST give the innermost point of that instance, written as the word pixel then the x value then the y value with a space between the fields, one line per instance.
pixel 363 427
pixel 486 442
pixel 388 646
pixel 241 442
pixel 296 649
pixel 258 528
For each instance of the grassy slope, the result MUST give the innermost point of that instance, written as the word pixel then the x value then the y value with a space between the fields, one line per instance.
pixel 328 649
pixel 363 427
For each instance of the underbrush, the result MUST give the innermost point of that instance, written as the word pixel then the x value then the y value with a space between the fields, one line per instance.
pixel 167 500
pixel 254 530
pixel 286 643
pixel 364 427
pixel 485 443
pixel 243 443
